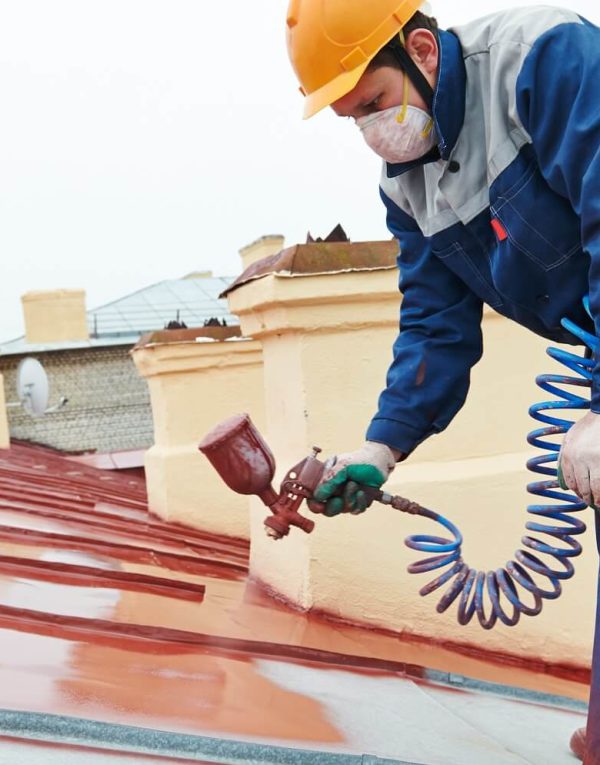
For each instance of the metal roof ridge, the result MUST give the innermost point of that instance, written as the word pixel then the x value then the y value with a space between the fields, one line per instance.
pixel 130 294
pixel 151 286
pixel 38 726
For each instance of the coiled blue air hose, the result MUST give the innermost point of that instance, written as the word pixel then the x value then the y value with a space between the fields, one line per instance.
pixel 467 584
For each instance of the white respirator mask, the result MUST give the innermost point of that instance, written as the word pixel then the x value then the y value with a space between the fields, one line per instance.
pixel 399 134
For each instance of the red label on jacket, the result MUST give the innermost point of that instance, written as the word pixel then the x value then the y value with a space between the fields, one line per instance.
pixel 499 229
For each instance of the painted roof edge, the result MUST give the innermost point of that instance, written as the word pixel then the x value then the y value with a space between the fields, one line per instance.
pixel 121 459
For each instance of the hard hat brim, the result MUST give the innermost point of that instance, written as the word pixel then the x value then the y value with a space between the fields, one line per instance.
pixel 332 91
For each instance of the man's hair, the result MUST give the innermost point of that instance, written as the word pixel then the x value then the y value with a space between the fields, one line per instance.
pixel 386 56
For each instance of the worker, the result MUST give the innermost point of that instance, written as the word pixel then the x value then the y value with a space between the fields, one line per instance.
pixel 489 134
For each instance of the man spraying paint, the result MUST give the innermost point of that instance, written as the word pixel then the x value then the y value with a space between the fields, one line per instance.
pixel 490 139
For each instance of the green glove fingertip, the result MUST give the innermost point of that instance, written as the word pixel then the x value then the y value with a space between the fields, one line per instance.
pixel 561 478
pixel 334 507
pixel 362 502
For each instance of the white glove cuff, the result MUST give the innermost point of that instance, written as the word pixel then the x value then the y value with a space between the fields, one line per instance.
pixel 381 456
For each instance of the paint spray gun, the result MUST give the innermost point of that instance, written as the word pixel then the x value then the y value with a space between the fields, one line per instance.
pixel 241 457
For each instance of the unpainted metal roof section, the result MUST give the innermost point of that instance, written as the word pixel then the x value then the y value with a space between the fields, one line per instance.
pixel 321 258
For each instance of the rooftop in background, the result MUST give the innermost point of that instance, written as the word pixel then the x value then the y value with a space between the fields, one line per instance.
pixel 192 300
pixel 127 634
pixel 189 302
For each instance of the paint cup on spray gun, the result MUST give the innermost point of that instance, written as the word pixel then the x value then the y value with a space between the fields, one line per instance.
pixel 241 457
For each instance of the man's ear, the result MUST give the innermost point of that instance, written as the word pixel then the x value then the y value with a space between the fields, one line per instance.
pixel 422 47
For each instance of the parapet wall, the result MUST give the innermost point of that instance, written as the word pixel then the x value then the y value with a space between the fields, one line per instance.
pixel 326 341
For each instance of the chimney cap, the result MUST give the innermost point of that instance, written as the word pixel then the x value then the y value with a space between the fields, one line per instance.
pixel 58 294
pixel 262 240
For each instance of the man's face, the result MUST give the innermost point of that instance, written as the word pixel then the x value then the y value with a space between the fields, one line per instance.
pixel 383 88
pixel 377 89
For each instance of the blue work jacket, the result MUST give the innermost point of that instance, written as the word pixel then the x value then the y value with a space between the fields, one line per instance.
pixel 505 211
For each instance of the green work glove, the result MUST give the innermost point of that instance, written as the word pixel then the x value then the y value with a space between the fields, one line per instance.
pixel 340 488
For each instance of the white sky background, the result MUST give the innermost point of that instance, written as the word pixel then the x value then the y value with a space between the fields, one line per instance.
pixel 144 139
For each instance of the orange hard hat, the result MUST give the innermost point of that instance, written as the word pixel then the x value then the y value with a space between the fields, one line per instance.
pixel 330 42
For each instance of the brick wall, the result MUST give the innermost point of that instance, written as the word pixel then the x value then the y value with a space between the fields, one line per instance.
pixel 108 407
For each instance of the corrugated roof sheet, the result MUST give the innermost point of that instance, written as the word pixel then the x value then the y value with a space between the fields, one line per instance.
pixel 125 633
pixel 124 321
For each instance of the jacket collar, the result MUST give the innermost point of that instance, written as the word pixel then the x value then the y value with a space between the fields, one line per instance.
pixel 448 104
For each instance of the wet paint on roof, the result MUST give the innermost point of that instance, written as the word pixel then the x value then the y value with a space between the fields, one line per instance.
pixel 122 633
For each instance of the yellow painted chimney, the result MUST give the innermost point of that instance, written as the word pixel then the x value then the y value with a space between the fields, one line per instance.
pixel 53 316
pixel 261 248
pixel 197 378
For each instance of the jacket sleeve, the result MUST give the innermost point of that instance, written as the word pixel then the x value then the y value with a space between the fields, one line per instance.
pixel 558 103
pixel 439 342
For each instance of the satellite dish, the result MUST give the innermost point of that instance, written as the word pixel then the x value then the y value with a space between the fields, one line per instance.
pixel 32 387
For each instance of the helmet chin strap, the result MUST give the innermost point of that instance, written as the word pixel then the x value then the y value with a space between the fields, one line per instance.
pixel 413 72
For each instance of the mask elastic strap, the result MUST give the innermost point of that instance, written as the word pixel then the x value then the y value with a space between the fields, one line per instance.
pixel 410 69
pixel 428 128
pixel 401 116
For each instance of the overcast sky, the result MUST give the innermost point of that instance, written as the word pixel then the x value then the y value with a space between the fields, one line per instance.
pixel 144 139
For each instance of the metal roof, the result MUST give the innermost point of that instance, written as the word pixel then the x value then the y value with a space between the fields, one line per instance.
pixel 129 635
pixel 191 300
